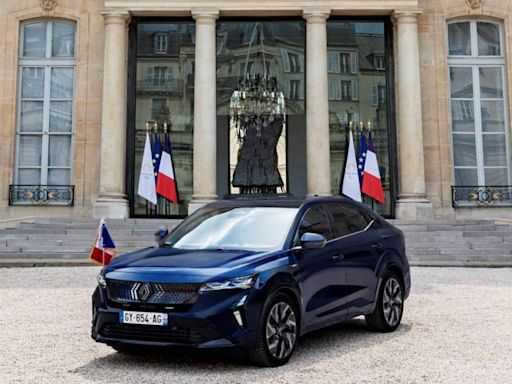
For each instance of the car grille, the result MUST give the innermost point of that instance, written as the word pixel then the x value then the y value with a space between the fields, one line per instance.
pixel 123 291
pixel 170 334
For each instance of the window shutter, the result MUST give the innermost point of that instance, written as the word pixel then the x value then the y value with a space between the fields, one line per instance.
pixel 332 90
pixel 375 95
pixel 337 68
pixel 354 64
pixel 301 62
pixel 355 90
pixel 330 62
pixel 301 90
pixel 338 89
pixel 286 60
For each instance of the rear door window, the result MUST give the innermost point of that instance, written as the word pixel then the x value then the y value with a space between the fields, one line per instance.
pixel 316 221
pixel 347 219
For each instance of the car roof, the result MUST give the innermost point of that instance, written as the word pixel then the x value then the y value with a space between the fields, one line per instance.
pixel 278 201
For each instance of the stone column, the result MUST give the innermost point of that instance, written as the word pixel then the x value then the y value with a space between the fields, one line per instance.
pixel 412 198
pixel 317 110
pixel 112 202
pixel 205 110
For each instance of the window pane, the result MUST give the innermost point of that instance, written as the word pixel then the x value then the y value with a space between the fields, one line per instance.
pixel 491 84
pixel 32 82
pixel 30 150
pixel 493 116
pixel 463 119
pixel 459 39
pixel 63 40
pixel 495 153
pixel 466 176
pixel 62 83
pixel 464 150
pixel 496 176
pixel 59 177
pixel 488 39
pixel 461 82
pixel 31 116
pixel 60 150
pixel 316 221
pixel 29 176
pixel 346 219
pixel 34 40
pixel 61 116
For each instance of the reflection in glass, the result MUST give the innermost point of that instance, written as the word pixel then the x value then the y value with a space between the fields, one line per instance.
pixel 61 116
pixel 31 116
pixel 260 84
pixel 459 39
pixel 59 176
pixel 62 83
pixel 463 118
pixel 466 176
pixel 30 151
pixel 495 150
pixel 491 83
pixel 32 82
pixel 63 40
pixel 464 150
pixel 165 93
pixel 496 176
pixel 493 116
pixel 60 150
pixel 29 176
pixel 357 83
pixel 34 40
pixel 461 82
pixel 488 39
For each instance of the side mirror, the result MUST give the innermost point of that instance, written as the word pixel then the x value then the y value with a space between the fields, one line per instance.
pixel 311 240
pixel 161 235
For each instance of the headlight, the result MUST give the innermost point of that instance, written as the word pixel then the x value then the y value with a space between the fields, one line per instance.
pixel 101 281
pixel 244 282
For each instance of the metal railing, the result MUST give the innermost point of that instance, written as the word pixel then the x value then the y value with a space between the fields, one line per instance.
pixel 481 196
pixel 30 194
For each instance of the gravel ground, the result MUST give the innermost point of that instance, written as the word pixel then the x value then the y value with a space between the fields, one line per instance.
pixel 457 328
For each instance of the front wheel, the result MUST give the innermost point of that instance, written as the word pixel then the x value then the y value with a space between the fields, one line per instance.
pixel 390 304
pixel 277 334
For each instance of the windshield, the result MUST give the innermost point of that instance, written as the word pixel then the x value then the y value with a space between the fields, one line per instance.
pixel 235 228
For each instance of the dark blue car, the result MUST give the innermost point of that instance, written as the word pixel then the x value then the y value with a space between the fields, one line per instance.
pixel 255 274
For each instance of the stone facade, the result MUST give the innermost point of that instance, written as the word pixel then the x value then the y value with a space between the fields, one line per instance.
pixel 425 171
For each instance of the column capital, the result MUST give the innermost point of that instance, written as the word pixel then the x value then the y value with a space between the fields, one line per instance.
pixel 406 16
pixel 205 16
pixel 116 17
pixel 316 15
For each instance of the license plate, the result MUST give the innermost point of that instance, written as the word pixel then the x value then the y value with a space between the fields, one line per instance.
pixel 144 318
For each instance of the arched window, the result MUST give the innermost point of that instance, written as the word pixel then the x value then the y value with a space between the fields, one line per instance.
pixel 478 103
pixel 45 103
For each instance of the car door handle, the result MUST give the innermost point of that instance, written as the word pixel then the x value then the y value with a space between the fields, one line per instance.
pixel 337 257
pixel 376 245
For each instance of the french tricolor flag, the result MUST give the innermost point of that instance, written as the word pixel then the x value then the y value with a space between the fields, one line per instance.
pixel 372 184
pixel 166 182
pixel 104 248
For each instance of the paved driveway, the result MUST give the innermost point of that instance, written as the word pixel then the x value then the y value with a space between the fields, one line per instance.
pixel 457 328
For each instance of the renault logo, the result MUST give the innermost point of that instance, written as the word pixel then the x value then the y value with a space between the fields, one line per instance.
pixel 144 292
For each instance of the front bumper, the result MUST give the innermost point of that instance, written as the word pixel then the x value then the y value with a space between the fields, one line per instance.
pixel 209 323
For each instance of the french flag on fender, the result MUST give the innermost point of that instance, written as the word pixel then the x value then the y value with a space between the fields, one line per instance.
pixel 372 184
pixel 104 248
pixel 166 182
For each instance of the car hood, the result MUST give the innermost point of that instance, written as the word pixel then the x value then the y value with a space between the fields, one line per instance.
pixel 162 264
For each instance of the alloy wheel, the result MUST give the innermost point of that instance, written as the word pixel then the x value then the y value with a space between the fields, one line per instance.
pixel 281 330
pixel 392 301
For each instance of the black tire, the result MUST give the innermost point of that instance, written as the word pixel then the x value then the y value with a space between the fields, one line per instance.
pixel 261 355
pixel 382 320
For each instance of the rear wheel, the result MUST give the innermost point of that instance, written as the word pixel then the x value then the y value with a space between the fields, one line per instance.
pixel 390 304
pixel 276 338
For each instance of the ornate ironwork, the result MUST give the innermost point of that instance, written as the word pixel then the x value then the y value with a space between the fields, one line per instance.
pixel 41 194
pixel 481 196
